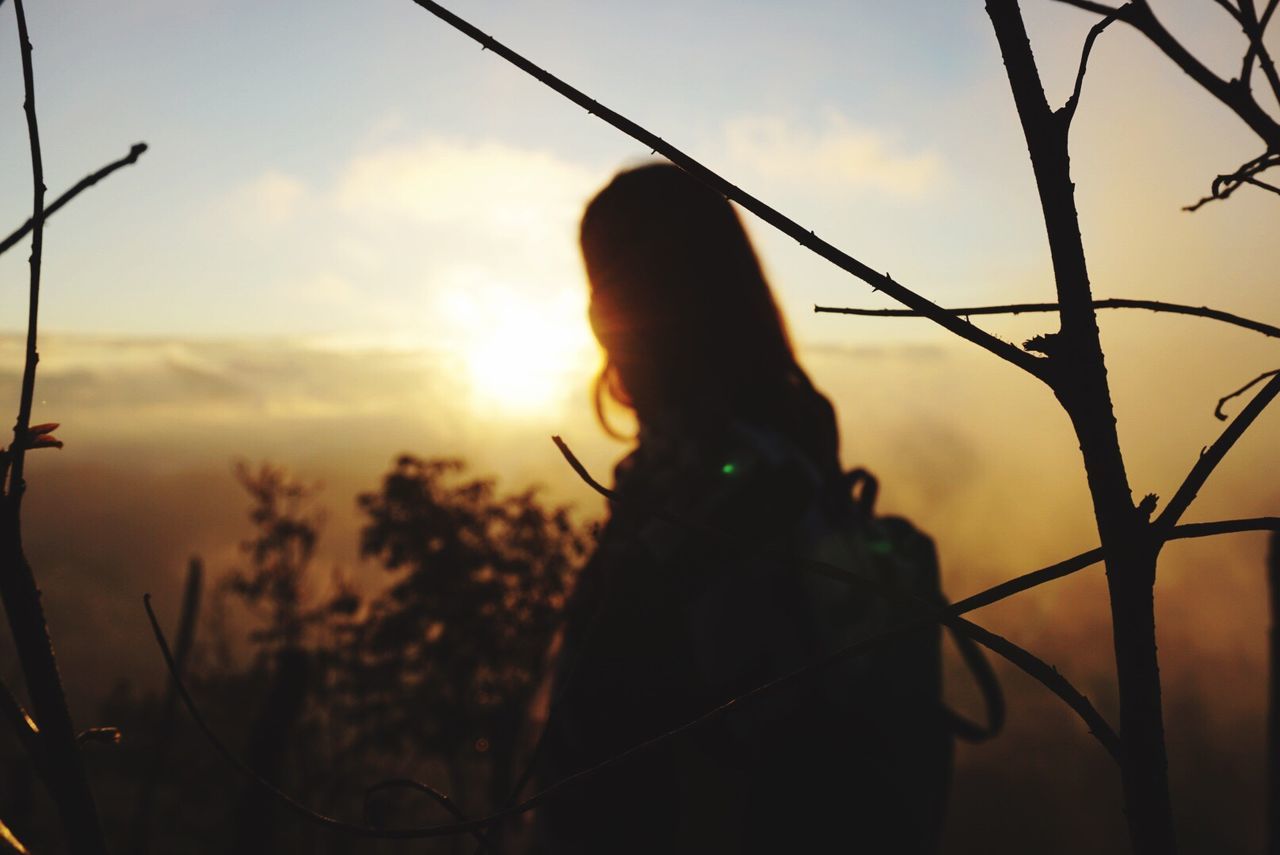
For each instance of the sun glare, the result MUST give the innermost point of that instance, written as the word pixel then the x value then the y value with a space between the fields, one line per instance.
pixel 521 355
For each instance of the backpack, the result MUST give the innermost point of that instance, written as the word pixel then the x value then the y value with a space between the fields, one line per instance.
pixel 899 559
pixel 692 600
pixel 886 735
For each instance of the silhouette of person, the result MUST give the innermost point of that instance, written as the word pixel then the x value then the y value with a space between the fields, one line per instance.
pixel 665 624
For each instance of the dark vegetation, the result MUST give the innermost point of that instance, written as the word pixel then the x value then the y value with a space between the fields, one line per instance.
pixel 428 678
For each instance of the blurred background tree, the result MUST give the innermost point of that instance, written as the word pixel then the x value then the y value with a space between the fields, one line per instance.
pixel 447 658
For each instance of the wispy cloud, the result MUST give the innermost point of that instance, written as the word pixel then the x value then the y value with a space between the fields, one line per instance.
pixel 832 154
pixel 495 188
pixel 270 200
pixel 377 244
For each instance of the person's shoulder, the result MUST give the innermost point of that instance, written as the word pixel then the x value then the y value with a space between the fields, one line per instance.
pixel 747 480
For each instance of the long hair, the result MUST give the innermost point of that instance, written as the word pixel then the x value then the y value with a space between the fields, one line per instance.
pixel 691 333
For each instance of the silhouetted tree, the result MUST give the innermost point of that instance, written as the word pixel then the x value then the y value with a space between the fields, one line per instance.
pixel 448 656
pixel 287 527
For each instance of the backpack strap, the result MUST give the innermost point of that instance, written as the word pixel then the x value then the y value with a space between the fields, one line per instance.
pixel 988 685
pixel 863 488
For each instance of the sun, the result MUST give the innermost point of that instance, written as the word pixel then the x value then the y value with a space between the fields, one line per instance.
pixel 520 353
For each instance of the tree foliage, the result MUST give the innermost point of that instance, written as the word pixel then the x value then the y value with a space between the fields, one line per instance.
pixel 449 654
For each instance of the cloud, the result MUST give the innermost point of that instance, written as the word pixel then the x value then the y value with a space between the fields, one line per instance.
pixel 270 200
pixel 493 187
pixel 371 247
pixel 837 155
pixel 487 188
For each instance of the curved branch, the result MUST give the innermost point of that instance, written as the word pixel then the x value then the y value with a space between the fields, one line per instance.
pixel 1232 94
pixel 440 798
pixel 1212 456
pixel 807 238
pixel 1217 411
pixel 1068 110
pixel 75 190
pixel 23 724
pixel 1255 28
pixel 1116 303
pixel 1224 185
pixel 1230 10
pixel 9 841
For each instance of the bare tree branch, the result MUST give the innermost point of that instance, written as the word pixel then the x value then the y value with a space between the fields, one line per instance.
pixel 1183 531
pixel 1027 581
pixel 807 238
pixel 1217 411
pixel 1231 10
pixel 17 452
pixel 440 798
pixel 1090 6
pixel 1116 303
pixel 1224 185
pixel 164 730
pixel 1233 94
pixel 9 841
pixel 1255 29
pixel 75 190
pixel 1068 110
pixel 1212 456
pixel 63 766
pixel 23 725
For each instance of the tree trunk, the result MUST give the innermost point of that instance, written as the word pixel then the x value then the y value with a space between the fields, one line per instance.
pixel 63 766
pixel 1076 371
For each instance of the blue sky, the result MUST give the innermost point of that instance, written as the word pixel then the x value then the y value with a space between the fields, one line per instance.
pixel 232 94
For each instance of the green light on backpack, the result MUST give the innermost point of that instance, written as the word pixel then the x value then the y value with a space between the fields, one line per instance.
pixel 880 547
pixel 728 469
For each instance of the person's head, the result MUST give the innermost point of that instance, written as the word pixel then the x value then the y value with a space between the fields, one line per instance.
pixel 690 330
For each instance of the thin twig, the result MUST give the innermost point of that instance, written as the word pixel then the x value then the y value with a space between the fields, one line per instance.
pixel 1090 6
pixel 1231 10
pixel 1068 109
pixel 9 841
pixel 440 798
pixel 1255 29
pixel 19 447
pixel 1224 185
pixel 23 724
pixel 1234 96
pixel 1024 659
pixel 75 190
pixel 805 237
pixel 166 724
pixel 1222 416
pixel 1212 456
pixel 1116 303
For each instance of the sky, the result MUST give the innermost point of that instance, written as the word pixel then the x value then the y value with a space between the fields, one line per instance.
pixel 355 234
